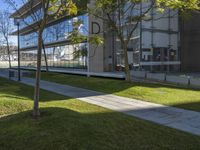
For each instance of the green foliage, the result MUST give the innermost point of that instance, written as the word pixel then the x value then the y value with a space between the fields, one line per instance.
pixel 81 5
pixel 185 7
pixel 80 51
pixel 95 40
pixel 181 5
pixel 60 8
pixel 126 11
pixel 75 37
pixel 123 16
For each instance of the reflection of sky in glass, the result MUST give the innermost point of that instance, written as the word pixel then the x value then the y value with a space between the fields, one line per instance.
pixel 31 19
pixel 60 56
pixel 57 32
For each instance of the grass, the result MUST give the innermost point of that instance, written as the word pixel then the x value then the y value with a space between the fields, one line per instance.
pixel 156 93
pixel 71 124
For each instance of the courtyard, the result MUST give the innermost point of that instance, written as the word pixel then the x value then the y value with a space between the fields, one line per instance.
pixel 67 123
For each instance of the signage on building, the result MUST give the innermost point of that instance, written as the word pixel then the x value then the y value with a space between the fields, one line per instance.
pixel 96 28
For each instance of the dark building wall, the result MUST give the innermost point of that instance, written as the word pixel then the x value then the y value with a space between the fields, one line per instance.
pixel 190 44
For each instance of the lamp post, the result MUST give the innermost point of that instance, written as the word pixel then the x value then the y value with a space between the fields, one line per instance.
pixel 17 23
pixel 88 60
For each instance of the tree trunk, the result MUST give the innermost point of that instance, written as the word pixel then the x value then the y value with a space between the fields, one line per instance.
pixel 54 55
pixel 8 49
pixel 36 112
pixel 126 69
pixel 45 56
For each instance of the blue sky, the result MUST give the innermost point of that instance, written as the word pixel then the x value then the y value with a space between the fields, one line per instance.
pixel 4 6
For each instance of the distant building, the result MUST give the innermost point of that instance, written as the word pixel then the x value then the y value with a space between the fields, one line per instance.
pixel 4 53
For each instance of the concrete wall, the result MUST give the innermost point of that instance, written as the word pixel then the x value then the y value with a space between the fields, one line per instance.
pixel 96 54
pixel 109 52
pixel 138 74
pixel 156 76
pixel 186 81
pixel 190 44
pixel 195 82
pixel 177 79
pixel 102 57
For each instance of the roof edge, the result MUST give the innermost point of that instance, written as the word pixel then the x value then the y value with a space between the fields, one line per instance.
pixel 24 9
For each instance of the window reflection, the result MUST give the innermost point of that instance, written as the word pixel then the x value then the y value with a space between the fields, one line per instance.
pixel 68 56
pixel 55 33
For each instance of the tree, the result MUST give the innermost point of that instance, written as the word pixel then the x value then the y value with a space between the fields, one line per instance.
pixel 123 17
pixel 5 29
pixel 50 9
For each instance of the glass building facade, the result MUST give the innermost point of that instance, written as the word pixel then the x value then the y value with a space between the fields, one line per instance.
pixel 154 45
pixel 59 52
pixel 37 15
pixel 59 56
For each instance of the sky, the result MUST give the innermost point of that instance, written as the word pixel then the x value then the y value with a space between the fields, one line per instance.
pixel 5 6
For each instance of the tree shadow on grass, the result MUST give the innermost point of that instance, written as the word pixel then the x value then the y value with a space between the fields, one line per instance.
pixel 152 92
pixel 102 84
pixel 61 128
pixel 14 90
pixel 194 106
pixel 19 91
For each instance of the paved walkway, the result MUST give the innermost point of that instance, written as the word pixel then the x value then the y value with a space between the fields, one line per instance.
pixel 184 120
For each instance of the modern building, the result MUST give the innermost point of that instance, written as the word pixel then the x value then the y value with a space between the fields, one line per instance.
pixel 155 45
pixel 4 57
pixel 58 50
pixel 190 44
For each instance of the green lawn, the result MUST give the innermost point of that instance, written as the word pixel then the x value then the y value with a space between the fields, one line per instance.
pixel 157 93
pixel 70 124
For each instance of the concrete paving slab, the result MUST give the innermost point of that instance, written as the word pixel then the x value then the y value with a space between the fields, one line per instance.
pixel 181 119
